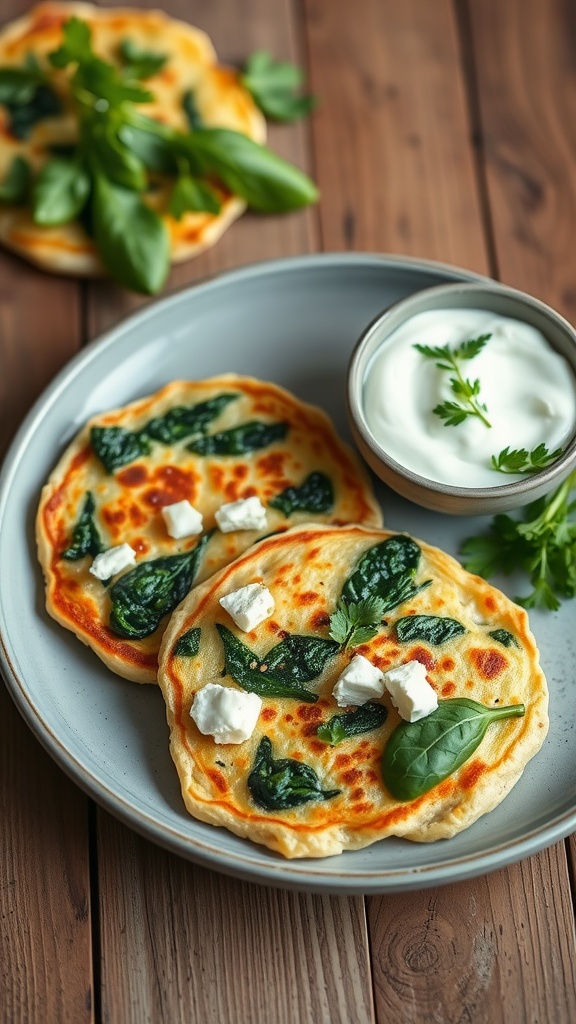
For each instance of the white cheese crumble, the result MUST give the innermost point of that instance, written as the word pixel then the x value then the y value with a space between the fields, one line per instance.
pixel 228 715
pixel 249 605
pixel 109 562
pixel 182 519
pixel 359 682
pixel 410 691
pixel 244 514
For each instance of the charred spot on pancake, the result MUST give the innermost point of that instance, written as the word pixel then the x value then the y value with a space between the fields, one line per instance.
pixel 133 476
pixel 489 663
pixel 423 656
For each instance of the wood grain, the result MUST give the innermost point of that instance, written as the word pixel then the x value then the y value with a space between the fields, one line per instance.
pixel 183 944
pixel 391 136
pixel 525 62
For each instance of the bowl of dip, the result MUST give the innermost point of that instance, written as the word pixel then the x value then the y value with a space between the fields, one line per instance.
pixel 462 398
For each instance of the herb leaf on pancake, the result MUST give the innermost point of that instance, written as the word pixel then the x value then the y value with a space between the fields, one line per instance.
pixel 16 185
pixel 183 420
pixel 281 672
pixel 366 718
pixel 421 754
pixel 248 437
pixel 144 595
pixel 387 570
pixel 504 637
pixel 116 446
pixel 315 494
pixel 433 629
pixel 86 539
pixel 188 645
pixel 276 785
pixel 355 623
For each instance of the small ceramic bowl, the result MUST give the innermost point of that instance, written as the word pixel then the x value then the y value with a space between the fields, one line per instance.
pixel 441 497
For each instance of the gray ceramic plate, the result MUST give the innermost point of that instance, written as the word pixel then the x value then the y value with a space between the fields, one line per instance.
pixel 294 322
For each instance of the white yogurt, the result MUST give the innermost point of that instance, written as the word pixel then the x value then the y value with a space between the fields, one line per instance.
pixel 528 388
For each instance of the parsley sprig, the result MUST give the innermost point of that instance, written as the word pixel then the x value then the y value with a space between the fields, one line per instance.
pixel 356 622
pixel 465 390
pixel 520 460
pixel 542 544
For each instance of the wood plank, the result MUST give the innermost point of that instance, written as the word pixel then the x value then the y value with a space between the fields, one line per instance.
pixel 526 72
pixel 183 944
pixel 391 136
pixel 478 951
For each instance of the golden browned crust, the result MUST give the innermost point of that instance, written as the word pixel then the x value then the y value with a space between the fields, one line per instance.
pixel 128 501
pixel 220 98
pixel 305 570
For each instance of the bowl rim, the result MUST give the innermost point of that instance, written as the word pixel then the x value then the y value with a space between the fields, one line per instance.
pixel 543 480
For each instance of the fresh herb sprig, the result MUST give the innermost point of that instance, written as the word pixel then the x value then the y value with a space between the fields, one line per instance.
pixel 104 178
pixel 520 460
pixel 356 622
pixel 465 390
pixel 542 544
pixel 276 87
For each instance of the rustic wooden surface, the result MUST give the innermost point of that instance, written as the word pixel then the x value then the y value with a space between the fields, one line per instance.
pixel 445 130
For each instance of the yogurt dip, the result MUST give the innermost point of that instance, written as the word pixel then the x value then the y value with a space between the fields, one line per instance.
pixel 528 388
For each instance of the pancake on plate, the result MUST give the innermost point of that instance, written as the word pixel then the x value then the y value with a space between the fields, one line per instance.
pixel 205 444
pixel 317 777
pixel 219 100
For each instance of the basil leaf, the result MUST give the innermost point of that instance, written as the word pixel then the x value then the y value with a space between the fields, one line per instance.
pixel 190 194
pixel 113 158
pixel 183 420
pixel 115 446
pixel 132 240
pixel 155 152
pixel 76 44
pixel 18 85
pixel 86 539
pixel 14 189
pixel 190 109
pixel 502 636
pixel 248 437
pixel 281 673
pixel 387 570
pixel 315 495
pixel 433 629
pixel 366 718
pixel 188 645
pixel 273 85
pixel 60 192
pixel 419 755
pixel 140 63
pixel 250 170
pixel 144 595
pixel 278 785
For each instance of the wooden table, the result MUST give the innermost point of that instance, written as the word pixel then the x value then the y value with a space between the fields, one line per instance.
pixel 445 129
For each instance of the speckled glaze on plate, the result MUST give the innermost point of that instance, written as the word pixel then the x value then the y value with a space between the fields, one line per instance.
pixel 294 322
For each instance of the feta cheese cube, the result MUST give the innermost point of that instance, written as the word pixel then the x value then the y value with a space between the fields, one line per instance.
pixel 182 519
pixel 109 562
pixel 245 514
pixel 249 605
pixel 410 691
pixel 359 682
pixel 227 714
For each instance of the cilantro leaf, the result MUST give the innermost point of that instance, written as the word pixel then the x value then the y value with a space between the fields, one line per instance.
pixel 520 460
pixel 356 622
pixel 449 359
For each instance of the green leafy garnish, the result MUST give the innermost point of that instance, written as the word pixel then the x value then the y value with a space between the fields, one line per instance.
pixel 520 460
pixel 542 544
pixel 386 570
pixel 366 718
pixel 116 446
pixel 144 595
pixel 188 645
pixel 86 538
pixel 356 622
pixel 278 785
pixel 275 87
pixel 466 391
pixel 315 495
pixel 247 437
pixel 504 637
pixel 16 185
pixel 432 629
pixel 421 754
pixel 283 671
pixel 103 180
